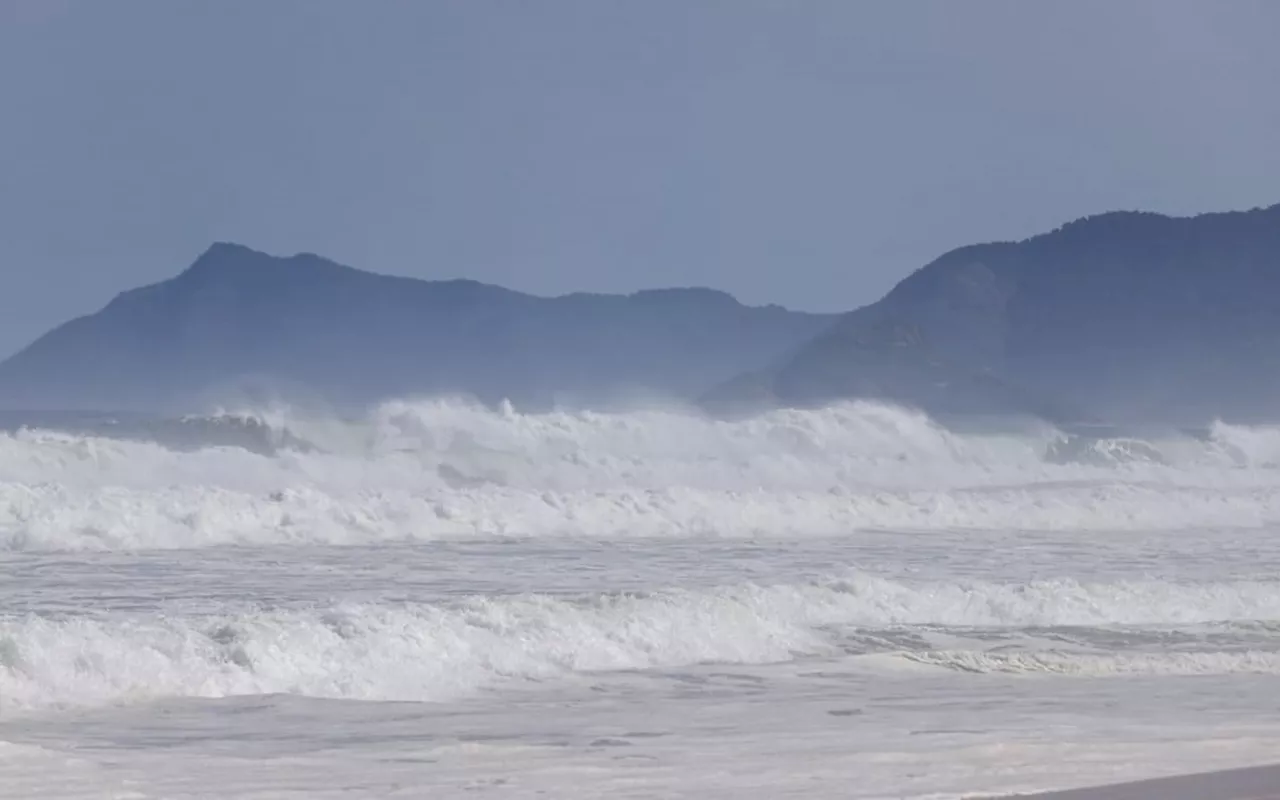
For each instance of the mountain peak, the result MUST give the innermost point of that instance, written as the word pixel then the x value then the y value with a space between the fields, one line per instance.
pixel 224 257
pixel 224 252
pixel 226 263
pixel 221 247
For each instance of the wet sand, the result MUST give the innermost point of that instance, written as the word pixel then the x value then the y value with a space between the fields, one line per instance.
pixel 1254 783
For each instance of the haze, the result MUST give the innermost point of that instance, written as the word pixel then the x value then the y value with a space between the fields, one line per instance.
pixel 808 154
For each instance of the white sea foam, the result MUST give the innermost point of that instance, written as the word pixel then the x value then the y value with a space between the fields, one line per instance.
pixel 433 470
pixel 55 517
pixel 435 652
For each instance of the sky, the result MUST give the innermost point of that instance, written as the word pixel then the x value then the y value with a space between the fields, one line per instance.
pixel 803 152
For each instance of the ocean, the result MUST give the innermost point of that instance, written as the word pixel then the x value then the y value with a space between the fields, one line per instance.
pixel 438 599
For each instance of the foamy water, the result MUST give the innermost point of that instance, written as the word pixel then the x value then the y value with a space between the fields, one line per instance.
pixel 860 579
pixel 446 471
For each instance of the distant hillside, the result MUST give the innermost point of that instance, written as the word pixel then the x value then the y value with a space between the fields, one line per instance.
pixel 240 322
pixel 1123 317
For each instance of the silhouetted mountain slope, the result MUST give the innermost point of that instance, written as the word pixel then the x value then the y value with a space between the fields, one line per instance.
pixel 307 327
pixel 1127 317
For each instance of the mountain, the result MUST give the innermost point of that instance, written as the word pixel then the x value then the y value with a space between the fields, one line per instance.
pixel 1124 317
pixel 239 322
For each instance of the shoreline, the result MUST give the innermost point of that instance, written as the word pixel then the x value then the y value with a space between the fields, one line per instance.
pixel 1248 783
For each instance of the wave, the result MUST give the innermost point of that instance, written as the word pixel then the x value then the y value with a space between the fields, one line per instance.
pixel 566 449
pixel 55 518
pixel 852 433
pixel 437 652
pixel 252 431
pixel 430 470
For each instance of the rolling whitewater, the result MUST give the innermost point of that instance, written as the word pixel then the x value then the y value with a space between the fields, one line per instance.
pixel 590 604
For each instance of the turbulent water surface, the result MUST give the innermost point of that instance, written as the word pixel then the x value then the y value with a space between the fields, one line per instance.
pixel 443 599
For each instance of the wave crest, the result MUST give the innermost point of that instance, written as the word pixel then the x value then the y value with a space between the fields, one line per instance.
pixel 444 651
pixel 435 469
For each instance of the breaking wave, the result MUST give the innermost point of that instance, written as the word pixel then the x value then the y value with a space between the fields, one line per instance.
pixel 431 652
pixel 437 469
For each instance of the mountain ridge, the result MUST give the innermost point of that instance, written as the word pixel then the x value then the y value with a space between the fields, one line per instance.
pixel 309 327
pixel 1121 316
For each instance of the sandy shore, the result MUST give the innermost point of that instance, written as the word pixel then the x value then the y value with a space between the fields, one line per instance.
pixel 1255 783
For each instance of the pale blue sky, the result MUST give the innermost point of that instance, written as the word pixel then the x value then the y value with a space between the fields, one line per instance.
pixel 806 152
